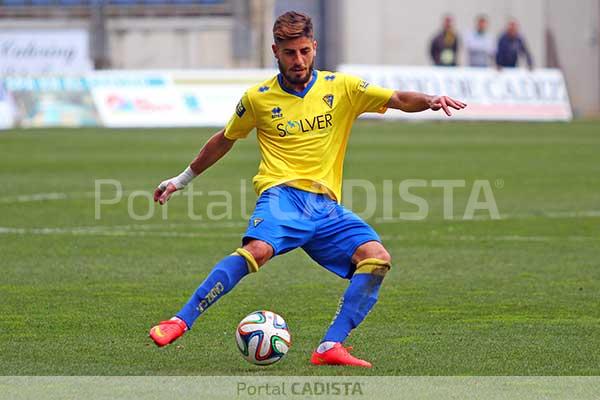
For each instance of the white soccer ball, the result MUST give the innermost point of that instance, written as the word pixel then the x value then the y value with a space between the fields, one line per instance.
pixel 263 337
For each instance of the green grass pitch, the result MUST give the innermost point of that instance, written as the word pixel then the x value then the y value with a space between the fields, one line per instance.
pixel 516 296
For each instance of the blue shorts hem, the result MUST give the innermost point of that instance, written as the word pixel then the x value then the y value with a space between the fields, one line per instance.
pixel 248 238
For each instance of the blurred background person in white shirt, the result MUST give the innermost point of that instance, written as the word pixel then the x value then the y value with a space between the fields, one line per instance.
pixel 480 44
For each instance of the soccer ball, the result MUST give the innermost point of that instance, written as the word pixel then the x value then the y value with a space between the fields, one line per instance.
pixel 263 337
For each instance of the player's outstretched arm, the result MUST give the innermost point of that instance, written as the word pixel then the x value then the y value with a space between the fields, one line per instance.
pixel 417 102
pixel 216 147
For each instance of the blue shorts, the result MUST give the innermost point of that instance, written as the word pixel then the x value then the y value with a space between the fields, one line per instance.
pixel 288 218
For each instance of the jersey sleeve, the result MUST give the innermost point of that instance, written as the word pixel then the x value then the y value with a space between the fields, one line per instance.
pixel 242 121
pixel 366 97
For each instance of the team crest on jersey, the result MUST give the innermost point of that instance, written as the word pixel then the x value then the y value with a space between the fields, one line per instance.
pixel 256 221
pixel 328 99
pixel 240 109
pixel 276 113
pixel 363 85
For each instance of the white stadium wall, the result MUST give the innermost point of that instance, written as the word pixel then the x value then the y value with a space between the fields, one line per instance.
pixel 392 32
pixel 576 30
pixel 399 32
pixel 153 43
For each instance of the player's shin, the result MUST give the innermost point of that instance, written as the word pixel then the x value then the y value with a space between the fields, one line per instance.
pixel 358 299
pixel 223 277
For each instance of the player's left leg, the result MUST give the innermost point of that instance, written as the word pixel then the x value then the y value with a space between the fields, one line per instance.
pixel 350 248
pixel 372 263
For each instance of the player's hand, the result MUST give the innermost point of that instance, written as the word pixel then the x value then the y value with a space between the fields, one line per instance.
pixel 445 103
pixel 164 191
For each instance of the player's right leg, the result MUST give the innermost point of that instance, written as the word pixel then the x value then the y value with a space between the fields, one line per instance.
pixel 277 226
pixel 223 277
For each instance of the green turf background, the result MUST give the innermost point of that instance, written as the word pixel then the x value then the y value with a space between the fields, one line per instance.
pixel 519 296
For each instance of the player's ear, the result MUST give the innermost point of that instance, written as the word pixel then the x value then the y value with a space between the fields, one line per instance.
pixel 315 45
pixel 275 50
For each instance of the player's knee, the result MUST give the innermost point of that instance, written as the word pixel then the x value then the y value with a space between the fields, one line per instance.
pixel 372 258
pixel 383 255
pixel 372 250
pixel 260 251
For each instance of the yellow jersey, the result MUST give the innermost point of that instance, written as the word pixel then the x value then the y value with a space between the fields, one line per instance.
pixel 303 135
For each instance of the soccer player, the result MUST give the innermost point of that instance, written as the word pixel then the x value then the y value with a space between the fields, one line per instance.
pixel 303 119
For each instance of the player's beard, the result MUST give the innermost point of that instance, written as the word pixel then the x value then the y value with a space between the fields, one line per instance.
pixel 297 81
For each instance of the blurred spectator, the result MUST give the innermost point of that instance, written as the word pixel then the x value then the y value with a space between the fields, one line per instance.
pixel 444 46
pixel 480 45
pixel 510 46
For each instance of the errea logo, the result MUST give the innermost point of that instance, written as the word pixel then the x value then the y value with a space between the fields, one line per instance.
pixel 276 113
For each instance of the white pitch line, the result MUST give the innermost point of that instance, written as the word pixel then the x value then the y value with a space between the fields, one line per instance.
pixel 508 216
pixel 34 197
pixel 508 238
pixel 27 198
pixel 83 231
pixel 158 227
pixel 545 214
pixel 161 227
